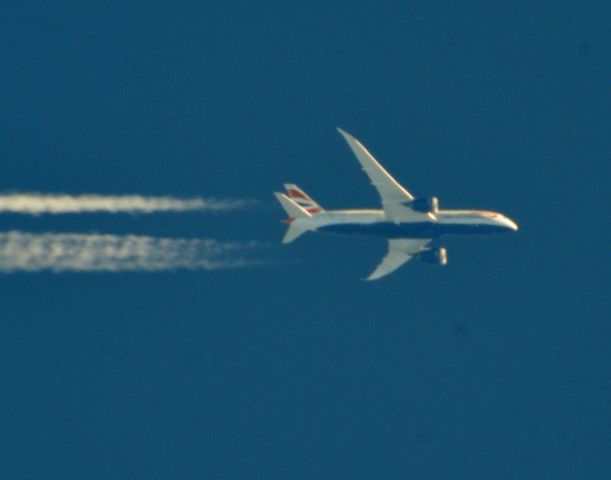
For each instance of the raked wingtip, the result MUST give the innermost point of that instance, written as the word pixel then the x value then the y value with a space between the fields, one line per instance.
pixel 343 132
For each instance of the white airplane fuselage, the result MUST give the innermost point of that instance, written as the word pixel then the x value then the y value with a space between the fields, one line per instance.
pixel 375 223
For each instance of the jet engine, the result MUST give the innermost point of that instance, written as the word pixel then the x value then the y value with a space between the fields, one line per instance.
pixel 437 256
pixel 425 205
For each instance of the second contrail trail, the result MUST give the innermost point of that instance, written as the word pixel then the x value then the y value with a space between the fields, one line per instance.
pixel 75 252
pixel 38 204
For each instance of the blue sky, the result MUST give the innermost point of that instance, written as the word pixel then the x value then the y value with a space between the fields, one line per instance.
pixel 494 367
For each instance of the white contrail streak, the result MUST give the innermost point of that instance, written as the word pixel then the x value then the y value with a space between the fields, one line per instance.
pixel 60 252
pixel 36 204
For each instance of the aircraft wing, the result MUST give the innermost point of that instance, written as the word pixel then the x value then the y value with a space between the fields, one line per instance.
pixel 395 198
pixel 400 250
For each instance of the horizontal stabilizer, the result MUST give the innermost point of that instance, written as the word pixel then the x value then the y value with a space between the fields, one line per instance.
pixel 296 215
pixel 295 230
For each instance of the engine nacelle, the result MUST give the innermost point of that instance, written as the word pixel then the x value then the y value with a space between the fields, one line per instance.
pixel 425 205
pixel 437 256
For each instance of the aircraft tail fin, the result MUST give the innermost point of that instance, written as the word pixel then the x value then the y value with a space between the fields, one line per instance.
pixel 294 212
pixel 302 199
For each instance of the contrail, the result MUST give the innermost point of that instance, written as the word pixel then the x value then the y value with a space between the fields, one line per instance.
pixel 61 252
pixel 36 204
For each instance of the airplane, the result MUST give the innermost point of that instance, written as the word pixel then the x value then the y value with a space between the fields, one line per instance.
pixel 410 224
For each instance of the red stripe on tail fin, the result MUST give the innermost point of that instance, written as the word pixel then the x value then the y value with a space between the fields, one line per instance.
pixel 302 199
pixel 297 194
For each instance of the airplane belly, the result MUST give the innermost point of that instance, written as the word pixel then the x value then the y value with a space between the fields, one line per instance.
pixel 343 229
pixel 409 229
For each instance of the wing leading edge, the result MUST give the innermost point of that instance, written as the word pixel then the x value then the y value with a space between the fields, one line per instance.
pixel 400 251
pixel 395 198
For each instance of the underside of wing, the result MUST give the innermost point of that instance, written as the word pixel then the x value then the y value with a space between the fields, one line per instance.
pixel 400 251
pixel 395 198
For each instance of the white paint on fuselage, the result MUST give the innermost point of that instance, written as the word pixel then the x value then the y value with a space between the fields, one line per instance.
pixel 443 217
pixel 478 217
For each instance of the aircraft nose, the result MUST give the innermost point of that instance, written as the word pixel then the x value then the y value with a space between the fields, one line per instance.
pixel 512 225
